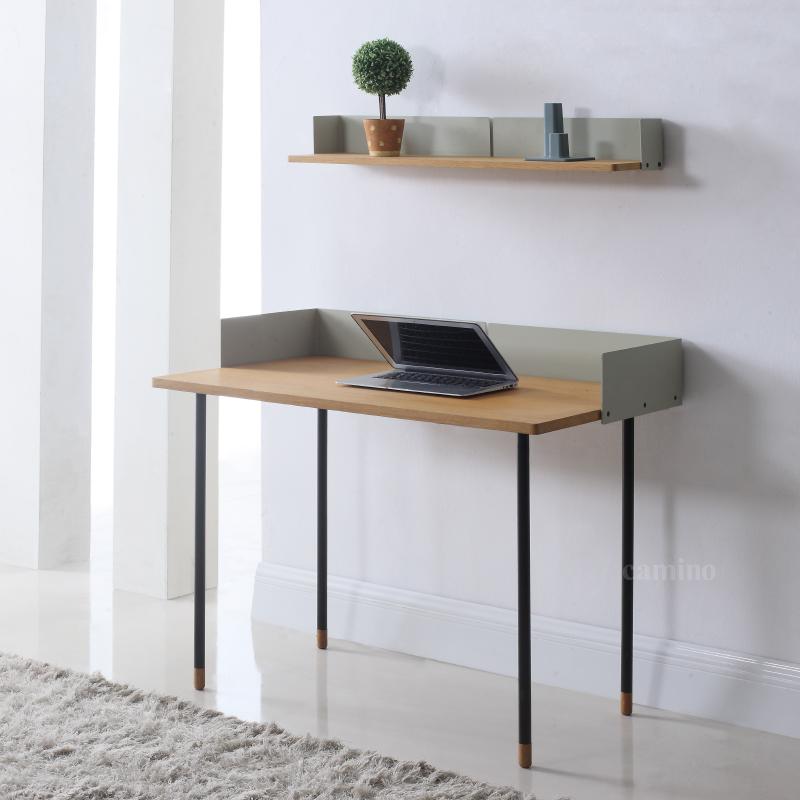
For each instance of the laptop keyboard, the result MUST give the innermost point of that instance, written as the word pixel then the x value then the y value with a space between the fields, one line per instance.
pixel 442 380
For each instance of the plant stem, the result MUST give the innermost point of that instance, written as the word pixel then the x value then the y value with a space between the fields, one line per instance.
pixel 382 105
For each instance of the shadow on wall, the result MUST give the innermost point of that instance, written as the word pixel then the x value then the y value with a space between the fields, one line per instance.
pixel 426 86
pixel 719 421
pixel 711 448
pixel 732 459
pixel 728 152
pixel 724 457
pixel 674 173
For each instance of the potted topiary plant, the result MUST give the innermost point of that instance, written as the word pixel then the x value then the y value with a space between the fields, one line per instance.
pixel 382 67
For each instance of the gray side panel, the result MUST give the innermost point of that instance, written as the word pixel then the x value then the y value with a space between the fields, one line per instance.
pixel 652 144
pixel 560 352
pixel 640 380
pixel 328 134
pixel 450 136
pixel 267 337
pixel 338 335
pixel 620 138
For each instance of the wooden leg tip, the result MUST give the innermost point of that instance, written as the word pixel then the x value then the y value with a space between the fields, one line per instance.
pixel 199 678
pixel 525 755
pixel 322 640
pixel 625 704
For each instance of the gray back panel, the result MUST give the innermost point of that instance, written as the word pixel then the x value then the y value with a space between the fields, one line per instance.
pixel 293 334
pixel 609 138
pixel 430 136
pixel 638 374
pixel 338 335
pixel 267 337
pixel 560 352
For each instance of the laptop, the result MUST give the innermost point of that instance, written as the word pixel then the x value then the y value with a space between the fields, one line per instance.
pixel 433 356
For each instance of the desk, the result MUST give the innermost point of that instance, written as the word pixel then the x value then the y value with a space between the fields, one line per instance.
pixel 539 405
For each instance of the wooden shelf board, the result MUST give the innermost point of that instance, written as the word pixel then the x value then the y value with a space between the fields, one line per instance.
pixel 467 162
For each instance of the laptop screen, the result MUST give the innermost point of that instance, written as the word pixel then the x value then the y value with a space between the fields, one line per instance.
pixel 441 345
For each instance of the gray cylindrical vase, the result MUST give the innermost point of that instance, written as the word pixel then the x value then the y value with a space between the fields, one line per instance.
pixel 553 123
pixel 558 145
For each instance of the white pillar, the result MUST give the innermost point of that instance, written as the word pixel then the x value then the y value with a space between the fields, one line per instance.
pixel 167 284
pixel 46 157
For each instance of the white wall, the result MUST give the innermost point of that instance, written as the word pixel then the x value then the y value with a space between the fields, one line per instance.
pixel 167 284
pixel 66 320
pixel 240 230
pixel 46 147
pixel 22 87
pixel 706 250
pixel 105 273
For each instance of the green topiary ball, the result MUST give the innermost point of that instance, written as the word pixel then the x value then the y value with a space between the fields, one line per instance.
pixel 382 67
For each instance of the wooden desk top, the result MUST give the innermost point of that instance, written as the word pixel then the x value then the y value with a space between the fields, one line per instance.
pixel 538 405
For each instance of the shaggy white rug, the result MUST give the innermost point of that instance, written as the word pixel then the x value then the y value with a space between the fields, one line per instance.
pixel 72 736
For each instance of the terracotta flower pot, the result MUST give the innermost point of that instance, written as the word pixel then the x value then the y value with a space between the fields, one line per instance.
pixel 384 136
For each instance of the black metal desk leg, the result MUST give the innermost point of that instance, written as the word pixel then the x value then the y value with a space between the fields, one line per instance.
pixel 322 529
pixel 524 598
pixel 626 665
pixel 200 544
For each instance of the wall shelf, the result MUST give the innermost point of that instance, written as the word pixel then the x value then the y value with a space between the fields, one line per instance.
pixel 620 144
pixel 468 162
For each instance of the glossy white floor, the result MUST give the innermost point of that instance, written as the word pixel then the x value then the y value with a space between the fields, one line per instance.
pixel 410 708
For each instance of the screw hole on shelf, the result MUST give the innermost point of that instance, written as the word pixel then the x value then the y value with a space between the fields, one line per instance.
pixel 647 165
pixel 659 163
pixel 644 404
pixel 675 398
pixel 608 413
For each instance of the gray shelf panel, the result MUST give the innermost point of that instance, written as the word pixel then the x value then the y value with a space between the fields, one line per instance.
pixel 612 138
pixel 619 138
pixel 428 136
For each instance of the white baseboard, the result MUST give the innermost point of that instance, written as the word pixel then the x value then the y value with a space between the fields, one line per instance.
pixel 676 676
